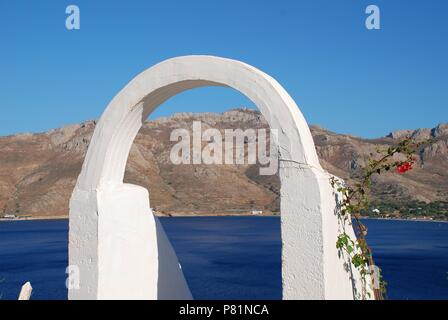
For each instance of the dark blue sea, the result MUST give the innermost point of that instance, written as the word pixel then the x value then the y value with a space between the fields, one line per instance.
pixel 230 257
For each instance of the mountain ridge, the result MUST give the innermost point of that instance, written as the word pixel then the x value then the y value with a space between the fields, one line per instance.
pixel 38 171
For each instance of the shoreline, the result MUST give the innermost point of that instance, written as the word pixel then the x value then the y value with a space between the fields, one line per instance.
pixel 34 218
pixel 224 214
pixel 402 219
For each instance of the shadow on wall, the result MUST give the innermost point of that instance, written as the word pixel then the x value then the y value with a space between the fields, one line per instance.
pixel 168 283
pixel 348 267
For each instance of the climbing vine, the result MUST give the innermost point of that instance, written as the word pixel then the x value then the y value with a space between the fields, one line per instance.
pixel 355 198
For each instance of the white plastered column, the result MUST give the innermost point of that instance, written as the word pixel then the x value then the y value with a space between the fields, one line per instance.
pixel 121 249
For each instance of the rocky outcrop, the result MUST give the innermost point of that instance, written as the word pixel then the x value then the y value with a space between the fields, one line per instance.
pixel 38 171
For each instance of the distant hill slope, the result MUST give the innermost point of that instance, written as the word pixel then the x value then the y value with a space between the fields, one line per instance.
pixel 38 171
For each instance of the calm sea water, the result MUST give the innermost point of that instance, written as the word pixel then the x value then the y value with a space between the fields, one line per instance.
pixel 230 257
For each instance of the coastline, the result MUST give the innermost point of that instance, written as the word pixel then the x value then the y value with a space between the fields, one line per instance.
pixel 34 218
pixel 402 219
pixel 221 214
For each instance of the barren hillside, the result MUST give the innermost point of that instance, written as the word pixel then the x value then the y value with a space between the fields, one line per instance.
pixel 38 171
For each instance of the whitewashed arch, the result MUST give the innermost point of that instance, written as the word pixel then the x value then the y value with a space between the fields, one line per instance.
pixel 121 249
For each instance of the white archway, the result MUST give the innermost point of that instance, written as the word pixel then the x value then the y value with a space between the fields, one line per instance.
pixel 120 248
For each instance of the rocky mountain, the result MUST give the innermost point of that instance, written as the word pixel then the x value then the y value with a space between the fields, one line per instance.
pixel 38 171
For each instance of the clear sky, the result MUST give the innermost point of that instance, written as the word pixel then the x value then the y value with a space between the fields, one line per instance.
pixel 344 77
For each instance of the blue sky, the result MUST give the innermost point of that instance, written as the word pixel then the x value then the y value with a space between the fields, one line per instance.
pixel 343 76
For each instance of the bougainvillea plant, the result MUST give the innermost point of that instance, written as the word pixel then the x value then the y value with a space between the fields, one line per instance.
pixel 355 198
